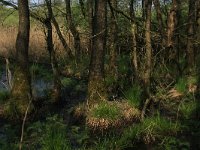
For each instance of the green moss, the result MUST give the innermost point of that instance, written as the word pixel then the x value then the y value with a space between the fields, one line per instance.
pixel 20 95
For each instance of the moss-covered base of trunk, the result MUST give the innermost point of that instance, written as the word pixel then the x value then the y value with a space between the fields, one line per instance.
pixel 20 95
pixel 96 91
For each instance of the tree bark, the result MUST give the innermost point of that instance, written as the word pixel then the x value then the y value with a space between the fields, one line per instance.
pixel 96 88
pixel 148 55
pixel 134 40
pixel 197 23
pixel 172 24
pixel 21 92
pixel 160 20
pixel 113 42
pixel 90 9
pixel 75 33
pixel 56 94
pixel 62 39
pixel 190 36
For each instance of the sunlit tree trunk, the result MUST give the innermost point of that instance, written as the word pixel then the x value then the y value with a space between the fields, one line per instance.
pixel 21 91
pixel 75 33
pixel 56 94
pixel 96 88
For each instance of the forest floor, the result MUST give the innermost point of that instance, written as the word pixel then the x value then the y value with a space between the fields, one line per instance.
pixel 172 121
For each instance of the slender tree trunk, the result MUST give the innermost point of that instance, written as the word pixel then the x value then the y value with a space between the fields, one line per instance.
pixel 90 8
pixel 96 88
pixel 160 21
pixel 56 95
pixel 148 56
pixel 172 23
pixel 21 91
pixel 113 43
pixel 134 40
pixel 75 33
pixel 198 16
pixel 62 39
pixel 190 36
pixel 197 23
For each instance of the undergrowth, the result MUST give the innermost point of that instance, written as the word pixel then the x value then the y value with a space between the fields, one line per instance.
pixel 133 95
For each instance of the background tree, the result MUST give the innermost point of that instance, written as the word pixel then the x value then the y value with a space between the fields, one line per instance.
pixel 56 94
pixel 190 36
pixel 134 39
pixel 74 31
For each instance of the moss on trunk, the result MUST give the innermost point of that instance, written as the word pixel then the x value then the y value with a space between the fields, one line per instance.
pixel 20 94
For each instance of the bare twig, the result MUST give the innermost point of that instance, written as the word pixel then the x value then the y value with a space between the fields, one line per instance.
pixel 23 123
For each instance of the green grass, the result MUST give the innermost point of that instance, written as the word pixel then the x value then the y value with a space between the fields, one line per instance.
pixel 49 135
pixel 106 111
pixel 181 85
pixel 133 95
pixel 187 109
pixel 151 130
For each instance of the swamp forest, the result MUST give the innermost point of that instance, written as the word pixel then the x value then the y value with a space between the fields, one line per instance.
pixel 99 74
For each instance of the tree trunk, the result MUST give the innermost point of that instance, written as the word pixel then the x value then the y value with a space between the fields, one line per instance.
pixel 56 95
pixel 172 22
pixel 96 89
pixel 62 39
pixel 75 33
pixel 113 43
pixel 190 36
pixel 160 21
pixel 90 8
pixel 197 23
pixel 148 55
pixel 134 40
pixel 21 91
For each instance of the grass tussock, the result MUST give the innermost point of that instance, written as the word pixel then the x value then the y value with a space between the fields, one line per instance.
pixel 111 115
